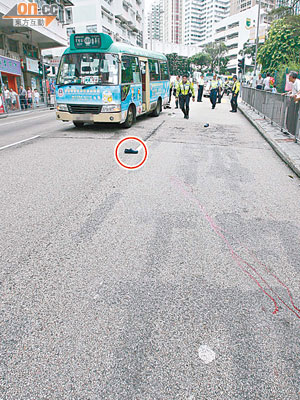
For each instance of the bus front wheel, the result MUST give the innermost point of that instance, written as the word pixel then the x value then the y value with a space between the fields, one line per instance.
pixel 129 119
pixel 78 124
pixel 157 110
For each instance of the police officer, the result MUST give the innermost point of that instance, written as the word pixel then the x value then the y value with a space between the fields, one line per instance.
pixel 184 92
pixel 171 90
pixel 200 88
pixel 214 88
pixel 235 93
pixel 220 92
pixel 176 86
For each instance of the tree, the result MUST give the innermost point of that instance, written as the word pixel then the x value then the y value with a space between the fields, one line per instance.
pixel 280 12
pixel 178 65
pixel 200 60
pixel 282 45
pixel 215 51
pixel 249 49
pixel 223 62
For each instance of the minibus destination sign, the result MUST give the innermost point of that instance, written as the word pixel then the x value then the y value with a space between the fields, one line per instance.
pixel 87 41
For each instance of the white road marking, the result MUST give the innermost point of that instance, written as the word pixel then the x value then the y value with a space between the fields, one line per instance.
pixel 206 354
pixel 140 147
pixel 21 141
pixel 13 122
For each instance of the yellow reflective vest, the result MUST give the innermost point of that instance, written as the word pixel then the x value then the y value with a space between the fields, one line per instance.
pixel 185 89
pixel 176 84
pixel 236 87
pixel 214 84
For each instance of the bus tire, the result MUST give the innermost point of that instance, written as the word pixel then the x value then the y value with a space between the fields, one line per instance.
pixel 130 118
pixel 157 110
pixel 78 124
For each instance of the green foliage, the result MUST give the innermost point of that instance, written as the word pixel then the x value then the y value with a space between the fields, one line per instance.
pixel 281 74
pixel 249 49
pixel 178 65
pixel 223 65
pixel 212 58
pixel 201 61
pixel 281 12
pixel 282 46
pixel 215 51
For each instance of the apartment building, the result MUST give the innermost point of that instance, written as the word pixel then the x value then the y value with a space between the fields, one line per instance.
pixel 173 21
pixel 236 30
pixel 123 20
pixel 237 6
pixel 155 21
pixel 200 17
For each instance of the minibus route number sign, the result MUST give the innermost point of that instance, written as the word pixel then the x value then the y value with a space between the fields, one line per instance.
pixel 92 41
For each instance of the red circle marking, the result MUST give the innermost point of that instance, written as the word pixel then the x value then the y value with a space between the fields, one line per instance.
pixel 131 138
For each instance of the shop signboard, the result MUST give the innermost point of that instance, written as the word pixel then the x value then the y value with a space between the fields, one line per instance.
pixel 32 65
pixel 33 83
pixel 10 66
pixel 54 62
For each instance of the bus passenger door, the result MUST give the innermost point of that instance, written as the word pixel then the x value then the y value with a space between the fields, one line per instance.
pixel 145 84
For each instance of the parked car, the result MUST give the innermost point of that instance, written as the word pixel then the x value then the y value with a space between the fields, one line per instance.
pixel 206 90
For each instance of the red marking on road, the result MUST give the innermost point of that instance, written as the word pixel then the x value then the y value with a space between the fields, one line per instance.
pixel 240 261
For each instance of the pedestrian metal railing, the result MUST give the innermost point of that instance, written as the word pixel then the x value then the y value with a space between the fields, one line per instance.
pixel 280 110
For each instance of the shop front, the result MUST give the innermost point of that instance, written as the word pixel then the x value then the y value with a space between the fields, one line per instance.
pixel 11 78
pixel 11 73
pixel 32 77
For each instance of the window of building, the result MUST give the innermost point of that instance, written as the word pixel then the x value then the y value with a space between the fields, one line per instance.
pixel 131 72
pixel 69 15
pixel 1 41
pixel 91 28
pixel 13 45
pixel 164 71
pixel 70 31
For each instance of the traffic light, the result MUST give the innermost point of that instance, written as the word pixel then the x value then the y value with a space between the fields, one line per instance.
pixel 47 69
pixel 241 64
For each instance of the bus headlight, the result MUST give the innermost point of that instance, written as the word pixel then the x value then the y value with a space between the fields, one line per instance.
pixel 111 108
pixel 62 107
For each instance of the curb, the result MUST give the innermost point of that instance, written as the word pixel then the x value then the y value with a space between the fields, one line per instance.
pixel 275 146
pixel 26 112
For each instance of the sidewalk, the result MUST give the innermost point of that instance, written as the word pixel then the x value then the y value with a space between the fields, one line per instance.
pixel 283 144
pixel 26 112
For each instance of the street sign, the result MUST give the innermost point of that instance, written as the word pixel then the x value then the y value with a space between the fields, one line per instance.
pixel 87 41
pixel 54 62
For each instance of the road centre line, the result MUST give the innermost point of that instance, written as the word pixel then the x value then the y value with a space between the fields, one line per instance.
pixel 21 141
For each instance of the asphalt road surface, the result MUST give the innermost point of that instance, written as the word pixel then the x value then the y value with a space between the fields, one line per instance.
pixel 179 280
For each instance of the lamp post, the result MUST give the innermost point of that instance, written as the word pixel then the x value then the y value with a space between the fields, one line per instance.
pixel 257 36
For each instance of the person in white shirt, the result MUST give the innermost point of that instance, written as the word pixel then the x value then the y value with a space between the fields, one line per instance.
pixel 13 96
pixel 259 82
pixel 220 93
pixel 200 88
pixel 267 82
pixel 295 92
pixel 36 98
pixel 7 98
